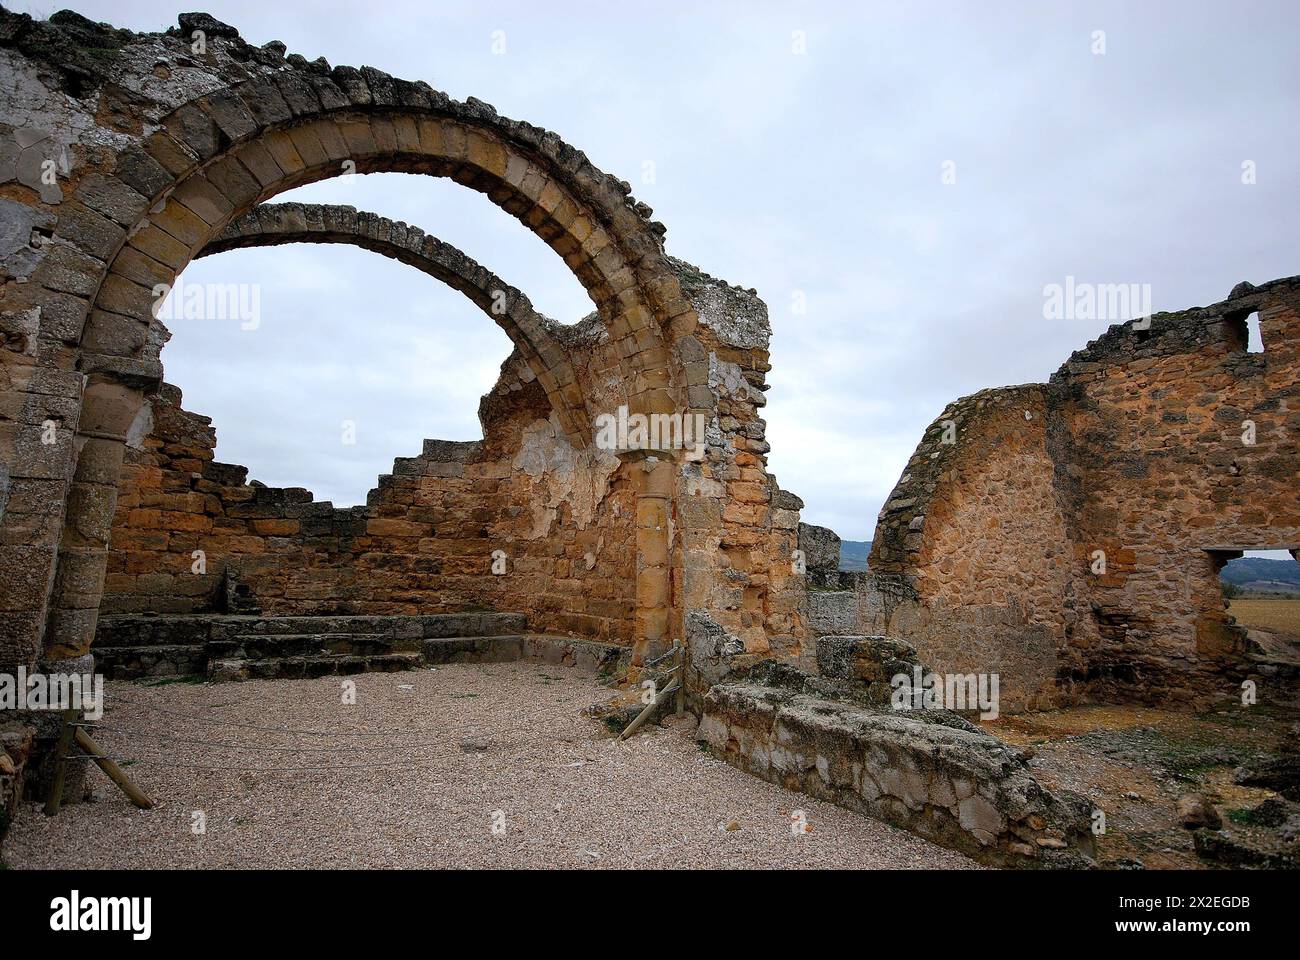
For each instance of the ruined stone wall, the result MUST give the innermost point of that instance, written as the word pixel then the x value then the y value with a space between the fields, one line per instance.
pixel 163 147
pixel 990 552
pixel 423 543
pixel 159 143
pixel 566 518
pixel 1169 489
pixel 740 528
pixel 986 555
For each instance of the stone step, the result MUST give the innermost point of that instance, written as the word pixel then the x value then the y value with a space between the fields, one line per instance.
pixel 588 655
pixel 484 624
pixel 832 612
pixel 409 627
pixel 155 660
pixel 134 630
pixel 257 646
pixel 140 630
pixel 237 628
pixel 242 647
pixel 302 668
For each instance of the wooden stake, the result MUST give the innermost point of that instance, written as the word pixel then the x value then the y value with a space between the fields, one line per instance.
pixel 54 799
pixel 681 680
pixel 641 717
pixel 114 772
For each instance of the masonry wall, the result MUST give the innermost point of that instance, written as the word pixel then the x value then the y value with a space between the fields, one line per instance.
pixel 987 553
pixel 721 530
pixel 738 526
pixel 1167 484
pixel 423 543
pixel 158 152
pixel 981 579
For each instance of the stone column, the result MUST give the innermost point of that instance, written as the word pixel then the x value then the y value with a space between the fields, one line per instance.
pixel 37 458
pixel 653 564
pixel 109 413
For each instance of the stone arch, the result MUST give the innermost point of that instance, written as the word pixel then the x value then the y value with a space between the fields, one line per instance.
pixel 215 157
pixel 270 224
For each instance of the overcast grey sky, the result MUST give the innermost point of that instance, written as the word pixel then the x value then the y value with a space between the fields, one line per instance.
pixel 818 172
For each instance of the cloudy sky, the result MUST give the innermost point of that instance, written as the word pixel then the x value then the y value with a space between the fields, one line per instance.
pixel 817 173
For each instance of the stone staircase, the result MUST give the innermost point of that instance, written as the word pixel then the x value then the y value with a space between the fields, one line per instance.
pixel 269 648
pixel 233 647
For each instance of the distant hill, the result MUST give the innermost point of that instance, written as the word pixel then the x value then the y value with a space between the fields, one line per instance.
pixel 853 554
pixel 1254 574
pixel 1249 573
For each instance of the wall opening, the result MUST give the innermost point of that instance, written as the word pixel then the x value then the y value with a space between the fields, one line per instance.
pixel 1261 591
pixel 1245 333
pixel 1262 573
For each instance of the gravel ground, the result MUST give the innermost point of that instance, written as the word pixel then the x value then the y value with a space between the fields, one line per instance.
pixel 450 754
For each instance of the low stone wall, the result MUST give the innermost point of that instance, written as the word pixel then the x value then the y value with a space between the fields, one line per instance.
pixel 933 774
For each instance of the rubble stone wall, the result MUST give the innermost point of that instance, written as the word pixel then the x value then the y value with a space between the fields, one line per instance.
pixel 1070 535
pixel 948 782
pixel 740 528
pixel 423 543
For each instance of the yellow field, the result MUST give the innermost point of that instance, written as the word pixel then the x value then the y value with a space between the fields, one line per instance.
pixel 1278 615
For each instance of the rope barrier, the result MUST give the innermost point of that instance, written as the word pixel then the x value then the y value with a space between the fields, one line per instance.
pixel 150 735
pixel 397 736
pixel 265 729
pixel 409 765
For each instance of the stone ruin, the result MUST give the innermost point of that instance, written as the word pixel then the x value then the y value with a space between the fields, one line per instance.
pixel 125 156
pixel 1069 535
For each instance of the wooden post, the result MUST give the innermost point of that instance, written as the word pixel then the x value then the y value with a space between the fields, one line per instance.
pixel 54 799
pixel 114 772
pixel 681 679
pixel 641 717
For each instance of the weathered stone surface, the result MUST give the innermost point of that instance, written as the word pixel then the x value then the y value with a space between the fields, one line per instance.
pixel 206 23
pixel 1195 810
pixel 832 612
pixel 1235 847
pixel 21 248
pixel 821 547
pixel 950 783
pixel 1280 772
pixel 870 660
pixel 1068 536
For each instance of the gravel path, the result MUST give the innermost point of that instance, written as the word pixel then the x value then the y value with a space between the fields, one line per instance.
pixel 453 747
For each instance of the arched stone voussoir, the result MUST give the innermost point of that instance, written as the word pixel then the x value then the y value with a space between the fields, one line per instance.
pixel 554 192
pixel 271 224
